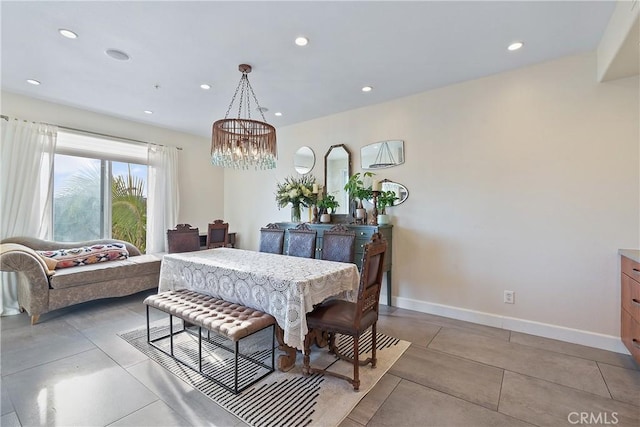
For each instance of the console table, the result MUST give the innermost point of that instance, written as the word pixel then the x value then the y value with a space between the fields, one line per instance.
pixel 363 235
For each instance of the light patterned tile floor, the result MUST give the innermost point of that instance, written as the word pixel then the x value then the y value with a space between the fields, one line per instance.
pixel 455 374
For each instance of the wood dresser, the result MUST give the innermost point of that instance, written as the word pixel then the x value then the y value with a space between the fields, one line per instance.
pixel 630 310
pixel 363 235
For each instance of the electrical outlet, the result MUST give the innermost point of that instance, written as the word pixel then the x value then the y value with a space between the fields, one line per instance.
pixel 509 297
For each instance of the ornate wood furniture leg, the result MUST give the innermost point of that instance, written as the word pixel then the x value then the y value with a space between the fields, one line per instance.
pixel 288 360
pixel 34 319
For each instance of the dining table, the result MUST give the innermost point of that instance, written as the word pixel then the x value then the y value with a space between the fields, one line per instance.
pixel 283 286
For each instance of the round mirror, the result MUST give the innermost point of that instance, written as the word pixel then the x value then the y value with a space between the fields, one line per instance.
pixel 303 160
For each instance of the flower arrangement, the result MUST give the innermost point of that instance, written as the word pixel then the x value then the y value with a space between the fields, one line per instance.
pixel 298 192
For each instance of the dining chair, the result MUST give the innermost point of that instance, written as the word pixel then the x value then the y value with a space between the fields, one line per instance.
pixel 338 316
pixel 271 239
pixel 338 244
pixel 218 234
pixel 302 241
pixel 183 238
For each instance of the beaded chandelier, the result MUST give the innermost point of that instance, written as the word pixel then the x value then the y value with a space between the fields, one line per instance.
pixel 242 142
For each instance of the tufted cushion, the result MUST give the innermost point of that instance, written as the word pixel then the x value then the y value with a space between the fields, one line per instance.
pixel 234 321
pixel 85 255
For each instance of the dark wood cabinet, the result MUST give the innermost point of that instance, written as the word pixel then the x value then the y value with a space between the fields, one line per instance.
pixel 363 235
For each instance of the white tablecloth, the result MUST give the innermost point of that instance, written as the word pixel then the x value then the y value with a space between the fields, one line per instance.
pixel 285 287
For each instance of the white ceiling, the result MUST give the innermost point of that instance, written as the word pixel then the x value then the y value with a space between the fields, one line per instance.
pixel 399 48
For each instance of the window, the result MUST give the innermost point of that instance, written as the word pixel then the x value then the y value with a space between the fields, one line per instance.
pixel 100 189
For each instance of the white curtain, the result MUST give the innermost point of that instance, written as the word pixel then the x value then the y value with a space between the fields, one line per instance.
pixel 26 175
pixel 162 202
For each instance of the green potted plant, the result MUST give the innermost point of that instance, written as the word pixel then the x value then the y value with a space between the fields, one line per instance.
pixel 327 206
pixel 385 199
pixel 357 191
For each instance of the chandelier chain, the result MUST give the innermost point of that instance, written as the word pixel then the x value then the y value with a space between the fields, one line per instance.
pixel 235 94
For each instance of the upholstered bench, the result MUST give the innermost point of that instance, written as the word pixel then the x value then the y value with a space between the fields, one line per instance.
pixel 225 319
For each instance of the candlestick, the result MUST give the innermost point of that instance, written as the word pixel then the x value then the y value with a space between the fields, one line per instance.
pixel 377 185
pixel 374 213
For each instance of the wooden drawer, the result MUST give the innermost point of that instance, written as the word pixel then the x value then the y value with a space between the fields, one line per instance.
pixel 630 331
pixel 630 268
pixel 631 296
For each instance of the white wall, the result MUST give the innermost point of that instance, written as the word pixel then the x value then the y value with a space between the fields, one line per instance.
pixel 526 180
pixel 201 185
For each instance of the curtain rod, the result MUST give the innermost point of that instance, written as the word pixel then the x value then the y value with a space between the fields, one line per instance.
pixel 97 133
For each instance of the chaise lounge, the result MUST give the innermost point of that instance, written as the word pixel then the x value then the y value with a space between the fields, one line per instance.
pixel 47 288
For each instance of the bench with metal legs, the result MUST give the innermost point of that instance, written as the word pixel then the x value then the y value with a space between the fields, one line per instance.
pixel 222 318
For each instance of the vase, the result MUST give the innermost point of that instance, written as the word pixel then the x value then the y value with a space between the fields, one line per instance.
pixel 295 213
pixel 325 218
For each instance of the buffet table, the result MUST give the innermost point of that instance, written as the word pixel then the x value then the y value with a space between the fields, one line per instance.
pixel 285 287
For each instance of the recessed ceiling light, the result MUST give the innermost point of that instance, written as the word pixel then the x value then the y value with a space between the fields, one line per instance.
pixel 302 41
pixel 117 54
pixel 148 112
pixel 515 46
pixel 278 114
pixel 33 82
pixel 205 86
pixel 68 33
pixel 367 89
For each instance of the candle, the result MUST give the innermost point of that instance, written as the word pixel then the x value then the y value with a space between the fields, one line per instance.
pixel 377 185
pixel 315 188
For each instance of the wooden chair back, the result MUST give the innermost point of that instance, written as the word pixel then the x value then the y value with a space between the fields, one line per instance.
pixel 272 239
pixel 371 274
pixel 338 244
pixel 183 238
pixel 218 234
pixel 302 241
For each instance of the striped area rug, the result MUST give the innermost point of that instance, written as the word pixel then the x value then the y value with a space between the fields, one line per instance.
pixel 282 398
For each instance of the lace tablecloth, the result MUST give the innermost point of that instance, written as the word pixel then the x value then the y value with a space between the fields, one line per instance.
pixel 285 287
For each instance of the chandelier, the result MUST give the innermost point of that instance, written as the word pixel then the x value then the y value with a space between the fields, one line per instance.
pixel 242 142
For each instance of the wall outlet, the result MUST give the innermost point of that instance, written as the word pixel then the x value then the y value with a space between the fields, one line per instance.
pixel 509 297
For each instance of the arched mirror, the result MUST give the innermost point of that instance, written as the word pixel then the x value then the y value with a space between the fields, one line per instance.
pixel 337 169
pixel 303 160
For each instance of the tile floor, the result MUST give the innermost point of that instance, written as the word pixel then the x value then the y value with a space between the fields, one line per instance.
pixel 73 370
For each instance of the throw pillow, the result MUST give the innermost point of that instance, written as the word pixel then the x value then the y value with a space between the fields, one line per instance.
pixel 50 262
pixel 87 254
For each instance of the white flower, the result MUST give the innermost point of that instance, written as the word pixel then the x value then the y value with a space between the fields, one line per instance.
pixel 293 193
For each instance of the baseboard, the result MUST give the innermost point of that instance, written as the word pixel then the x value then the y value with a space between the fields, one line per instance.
pixel 575 336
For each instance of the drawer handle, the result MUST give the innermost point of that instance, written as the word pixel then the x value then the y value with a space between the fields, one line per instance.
pixel 635 301
pixel 635 343
pixel 636 271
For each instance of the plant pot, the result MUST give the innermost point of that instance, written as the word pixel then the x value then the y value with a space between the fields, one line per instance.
pixel 325 218
pixel 361 213
pixel 383 219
